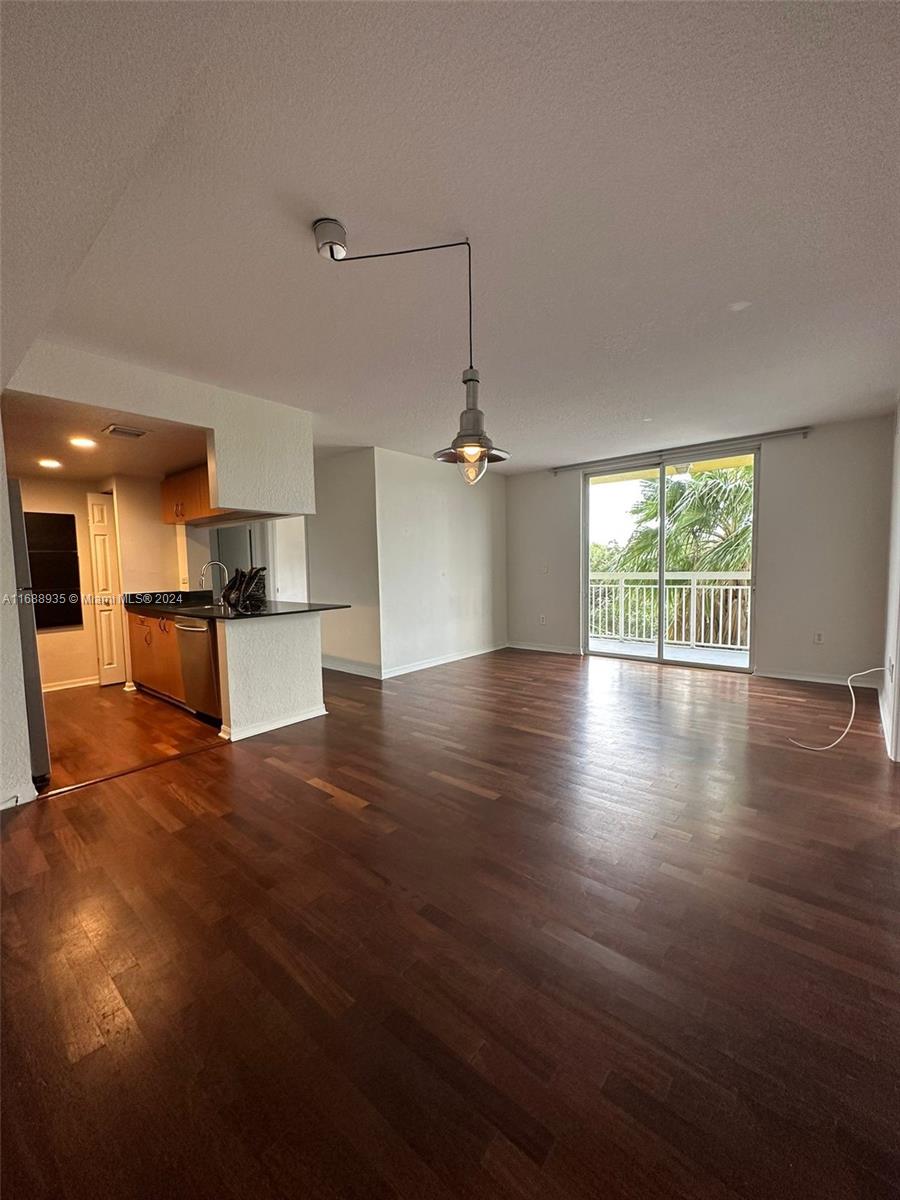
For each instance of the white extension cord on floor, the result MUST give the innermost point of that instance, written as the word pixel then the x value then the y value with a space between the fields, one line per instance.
pixel 831 745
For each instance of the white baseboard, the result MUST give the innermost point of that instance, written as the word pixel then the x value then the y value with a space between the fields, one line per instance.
pixel 238 735
pixel 442 660
pixel 70 683
pixel 800 677
pixel 128 686
pixel 544 649
pixel 350 666
pixel 886 726
pixel 373 672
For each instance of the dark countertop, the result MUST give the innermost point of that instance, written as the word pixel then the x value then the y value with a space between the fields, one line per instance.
pixel 200 604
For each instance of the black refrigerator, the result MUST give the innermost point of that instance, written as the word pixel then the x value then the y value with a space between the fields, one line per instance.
pixel 34 699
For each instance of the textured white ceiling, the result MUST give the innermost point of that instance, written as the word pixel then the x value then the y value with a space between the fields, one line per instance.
pixel 625 172
pixel 86 90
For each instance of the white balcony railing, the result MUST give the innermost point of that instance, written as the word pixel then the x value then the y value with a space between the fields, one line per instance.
pixel 702 608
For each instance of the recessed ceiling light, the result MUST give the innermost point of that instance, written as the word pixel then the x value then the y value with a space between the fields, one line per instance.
pixel 82 443
pixel 739 305
pixel 50 463
pixel 647 418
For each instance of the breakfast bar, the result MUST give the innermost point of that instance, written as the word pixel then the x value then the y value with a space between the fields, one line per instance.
pixel 250 673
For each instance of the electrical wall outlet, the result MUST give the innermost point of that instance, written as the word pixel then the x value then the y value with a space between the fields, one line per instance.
pixel 543 619
pixel 818 637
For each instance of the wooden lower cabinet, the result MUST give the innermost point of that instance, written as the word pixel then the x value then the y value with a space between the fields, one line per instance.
pixel 155 657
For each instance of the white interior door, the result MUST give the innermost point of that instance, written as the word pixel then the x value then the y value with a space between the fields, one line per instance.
pixel 107 589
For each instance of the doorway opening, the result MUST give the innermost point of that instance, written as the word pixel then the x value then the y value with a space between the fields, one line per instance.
pixel 685 596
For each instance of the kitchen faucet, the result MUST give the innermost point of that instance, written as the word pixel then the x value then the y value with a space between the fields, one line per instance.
pixel 214 562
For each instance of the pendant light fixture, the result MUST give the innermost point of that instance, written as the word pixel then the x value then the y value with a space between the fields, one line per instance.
pixel 471 449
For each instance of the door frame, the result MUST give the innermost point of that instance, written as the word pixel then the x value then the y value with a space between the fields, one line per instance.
pixel 659 463
pixel 586 478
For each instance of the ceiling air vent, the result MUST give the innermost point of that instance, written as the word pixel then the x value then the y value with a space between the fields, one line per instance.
pixel 123 431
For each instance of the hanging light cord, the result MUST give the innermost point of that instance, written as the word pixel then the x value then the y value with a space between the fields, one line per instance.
pixel 831 745
pixel 424 250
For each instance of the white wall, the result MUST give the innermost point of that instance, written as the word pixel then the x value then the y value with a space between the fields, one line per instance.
pixel 148 548
pixel 15 755
pixel 419 556
pixel 289 542
pixel 67 656
pixel 889 690
pixel 822 550
pixel 193 554
pixel 544 557
pixel 342 548
pixel 441 562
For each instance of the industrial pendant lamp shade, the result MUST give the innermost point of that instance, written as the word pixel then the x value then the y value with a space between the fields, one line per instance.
pixel 471 449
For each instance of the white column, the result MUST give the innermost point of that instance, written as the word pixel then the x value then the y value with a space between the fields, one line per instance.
pixel 270 673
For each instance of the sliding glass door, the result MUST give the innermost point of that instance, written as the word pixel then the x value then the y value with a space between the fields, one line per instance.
pixel 623 563
pixel 687 599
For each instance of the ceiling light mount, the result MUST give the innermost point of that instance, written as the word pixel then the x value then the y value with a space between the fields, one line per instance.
pixel 331 238
pixel 471 449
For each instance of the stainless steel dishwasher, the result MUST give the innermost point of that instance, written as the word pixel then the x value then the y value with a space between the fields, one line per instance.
pixel 199 665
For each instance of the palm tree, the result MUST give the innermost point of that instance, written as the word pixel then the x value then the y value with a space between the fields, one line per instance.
pixel 709 522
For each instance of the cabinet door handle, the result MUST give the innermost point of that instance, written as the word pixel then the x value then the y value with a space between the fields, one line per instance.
pixel 148 638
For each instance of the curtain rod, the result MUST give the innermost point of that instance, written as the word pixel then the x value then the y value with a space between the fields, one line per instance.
pixel 656 457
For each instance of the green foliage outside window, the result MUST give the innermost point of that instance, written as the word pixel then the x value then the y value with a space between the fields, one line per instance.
pixel 710 519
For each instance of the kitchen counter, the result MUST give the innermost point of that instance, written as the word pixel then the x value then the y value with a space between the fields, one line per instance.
pixel 269 673
pixel 200 604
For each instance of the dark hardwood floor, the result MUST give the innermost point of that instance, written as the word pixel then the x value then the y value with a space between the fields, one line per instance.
pixel 524 926
pixel 97 731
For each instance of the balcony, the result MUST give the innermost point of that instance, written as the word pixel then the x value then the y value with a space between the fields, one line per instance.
pixel 707 615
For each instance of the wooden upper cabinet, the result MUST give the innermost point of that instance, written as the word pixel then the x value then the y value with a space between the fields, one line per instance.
pixel 171 496
pixel 185 497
